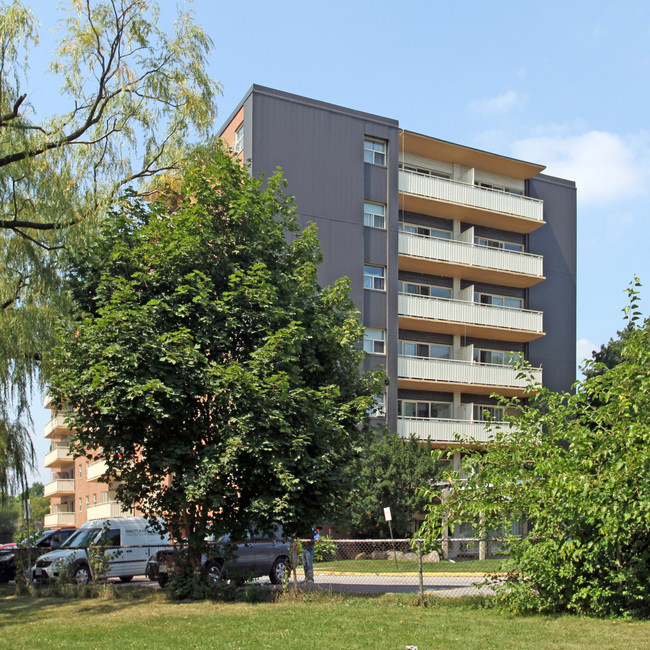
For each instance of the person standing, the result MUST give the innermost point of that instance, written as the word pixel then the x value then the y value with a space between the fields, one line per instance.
pixel 308 555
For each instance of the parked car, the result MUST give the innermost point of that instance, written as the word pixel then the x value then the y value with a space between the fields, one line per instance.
pixel 257 556
pixel 131 539
pixel 42 543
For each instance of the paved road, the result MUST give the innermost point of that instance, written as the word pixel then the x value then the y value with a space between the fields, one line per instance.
pixel 405 584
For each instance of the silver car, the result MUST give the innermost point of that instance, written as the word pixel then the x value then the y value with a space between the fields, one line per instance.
pixel 258 555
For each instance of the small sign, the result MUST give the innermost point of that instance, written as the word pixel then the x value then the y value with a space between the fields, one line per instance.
pixel 387 514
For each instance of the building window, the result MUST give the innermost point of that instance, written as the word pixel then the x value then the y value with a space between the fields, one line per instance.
pixel 407 408
pixel 374 277
pixel 423 171
pixel 87 502
pixel 80 506
pixel 423 231
pixel 374 215
pixel 238 145
pixel 374 151
pixel 427 290
pixel 79 471
pixel 498 301
pixel 424 350
pixel 483 413
pixel 498 188
pixel 378 409
pixel 498 357
pixel 374 341
pixel 95 499
pixel 497 243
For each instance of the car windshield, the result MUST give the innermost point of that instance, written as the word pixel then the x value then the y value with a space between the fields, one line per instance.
pixel 83 537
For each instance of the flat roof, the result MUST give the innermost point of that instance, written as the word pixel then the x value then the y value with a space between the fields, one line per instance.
pixel 429 147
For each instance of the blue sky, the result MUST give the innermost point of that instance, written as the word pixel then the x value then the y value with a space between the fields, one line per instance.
pixel 565 84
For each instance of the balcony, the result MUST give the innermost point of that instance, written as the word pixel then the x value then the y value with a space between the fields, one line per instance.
pixel 467 318
pixel 56 427
pixel 445 430
pixel 108 510
pixel 469 261
pixel 96 470
pixel 455 200
pixel 449 375
pixel 60 517
pixel 59 487
pixel 58 456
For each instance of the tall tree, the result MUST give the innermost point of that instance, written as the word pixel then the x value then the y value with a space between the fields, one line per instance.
pixel 217 379
pixel 134 95
pixel 576 465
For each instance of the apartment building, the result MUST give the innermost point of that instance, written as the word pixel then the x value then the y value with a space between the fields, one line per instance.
pixel 460 261
pixel 75 492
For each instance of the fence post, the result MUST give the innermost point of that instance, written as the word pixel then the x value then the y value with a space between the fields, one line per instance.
pixel 420 568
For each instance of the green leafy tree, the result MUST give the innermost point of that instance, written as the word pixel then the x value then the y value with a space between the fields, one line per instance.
pixel 135 94
pixel 391 470
pixel 609 354
pixel 221 383
pixel 577 466
pixel 9 516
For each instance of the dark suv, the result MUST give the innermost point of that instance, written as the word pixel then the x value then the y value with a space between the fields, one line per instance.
pixel 258 555
pixel 46 541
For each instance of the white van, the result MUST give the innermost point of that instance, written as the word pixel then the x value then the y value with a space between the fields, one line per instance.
pixel 132 543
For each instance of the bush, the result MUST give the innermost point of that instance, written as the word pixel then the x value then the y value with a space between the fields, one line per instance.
pixel 191 583
pixel 576 466
pixel 325 550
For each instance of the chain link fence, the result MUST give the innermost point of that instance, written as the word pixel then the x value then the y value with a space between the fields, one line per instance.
pixel 403 566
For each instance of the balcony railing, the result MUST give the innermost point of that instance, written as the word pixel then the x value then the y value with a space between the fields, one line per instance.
pixel 58 455
pixel 446 430
pixel 56 426
pixel 461 253
pixel 471 195
pixel 464 372
pixel 96 470
pixel 59 519
pixel 59 487
pixel 106 510
pixel 464 311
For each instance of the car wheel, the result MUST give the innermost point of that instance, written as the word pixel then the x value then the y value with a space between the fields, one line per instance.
pixel 163 580
pixel 126 578
pixel 279 570
pixel 82 575
pixel 215 570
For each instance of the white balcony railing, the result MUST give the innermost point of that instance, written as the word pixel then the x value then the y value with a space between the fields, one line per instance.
pixel 56 425
pixel 464 372
pixel 465 194
pixel 457 252
pixel 59 487
pixel 58 455
pixel 96 470
pixel 464 311
pixel 106 510
pixel 445 430
pixel 59 519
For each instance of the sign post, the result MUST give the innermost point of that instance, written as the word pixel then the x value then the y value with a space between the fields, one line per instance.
pixel 389 517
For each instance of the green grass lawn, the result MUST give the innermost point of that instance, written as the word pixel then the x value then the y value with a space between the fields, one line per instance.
pixel 388 566
pixel 148 620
